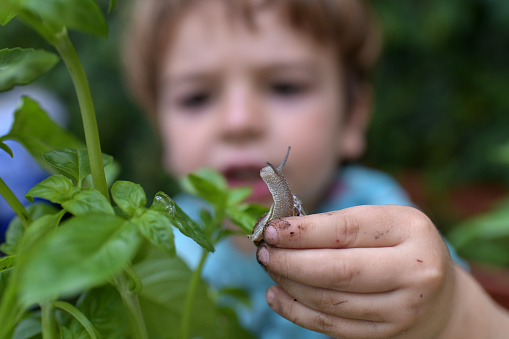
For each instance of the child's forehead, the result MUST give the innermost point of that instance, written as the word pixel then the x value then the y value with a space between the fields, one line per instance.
pixel 210 30
pixel 214 18
pixel 344 26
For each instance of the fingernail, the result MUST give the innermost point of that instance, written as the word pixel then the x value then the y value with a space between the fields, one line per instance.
pixel 262 255
pixel 269 296
pixel 271 235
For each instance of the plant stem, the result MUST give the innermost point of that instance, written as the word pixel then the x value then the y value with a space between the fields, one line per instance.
pixel 80 317
pixel 10 311
pixel 188 306
pixel 15 204
pixel 65 48
pixel 136 284
pixel 132 305
pixel 48 321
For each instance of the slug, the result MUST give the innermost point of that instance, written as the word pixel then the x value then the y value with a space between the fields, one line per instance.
pixel 286 204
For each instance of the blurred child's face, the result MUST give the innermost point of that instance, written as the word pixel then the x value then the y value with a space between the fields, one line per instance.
pixel 232 97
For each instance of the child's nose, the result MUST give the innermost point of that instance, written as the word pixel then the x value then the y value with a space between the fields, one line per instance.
pixel 242 117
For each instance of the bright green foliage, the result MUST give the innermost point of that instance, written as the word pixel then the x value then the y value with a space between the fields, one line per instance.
pixel 245 215
pixel 157 229
pixel 104 308
pixel 484 238
pixel 81 15
pixel 5 16
pixel 128 196
pixel 34 129
pixel 163 305
pixel 89 253
pixel 22 66
pixel 78 201
pixel 37 232
pixel 74 164
pixel 6 148
pixel 85 252
pixel 56 188
pixel 15 231
pixel 212 187
pixel 88 201
pixel 79 317
pixel 164 204
pixel 29 328
pixel 211 191
pixel 7 262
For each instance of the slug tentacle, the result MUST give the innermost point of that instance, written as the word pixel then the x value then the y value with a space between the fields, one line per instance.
pixel 286 204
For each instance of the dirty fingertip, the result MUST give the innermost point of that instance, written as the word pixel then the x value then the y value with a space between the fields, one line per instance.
pixel 271 235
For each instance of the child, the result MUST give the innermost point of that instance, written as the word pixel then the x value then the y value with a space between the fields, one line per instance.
pixel 231 85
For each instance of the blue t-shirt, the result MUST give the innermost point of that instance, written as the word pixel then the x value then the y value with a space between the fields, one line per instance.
pixel 229 267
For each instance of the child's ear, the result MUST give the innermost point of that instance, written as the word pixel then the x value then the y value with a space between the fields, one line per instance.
pixel 353 136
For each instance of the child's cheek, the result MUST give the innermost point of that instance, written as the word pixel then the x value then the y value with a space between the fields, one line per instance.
pixel 179 147
pixel 314 164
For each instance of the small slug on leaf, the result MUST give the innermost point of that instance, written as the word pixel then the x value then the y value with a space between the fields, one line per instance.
pixel 286 204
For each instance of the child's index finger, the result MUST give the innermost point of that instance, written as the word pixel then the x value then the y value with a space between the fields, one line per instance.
pixel 360 226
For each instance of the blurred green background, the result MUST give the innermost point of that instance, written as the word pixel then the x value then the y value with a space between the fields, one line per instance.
pixel 441 114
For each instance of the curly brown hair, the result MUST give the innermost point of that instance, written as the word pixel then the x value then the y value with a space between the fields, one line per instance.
pixel 349 26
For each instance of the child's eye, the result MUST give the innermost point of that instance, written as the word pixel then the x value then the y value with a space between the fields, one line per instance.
pixel 195 101
pixel 287 89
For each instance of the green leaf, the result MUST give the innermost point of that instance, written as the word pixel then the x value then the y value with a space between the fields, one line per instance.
pixel 111 171
pixel 157 229
pixel 16 230
pixel 7 262
pixel 6 16
pixel 179 219
pixel 128 196
pixel 56 188
pixel 214 177
pixel 163 203
pixel 81 15
pixel 238 194
pixel 206 217
pixel 245 215
pixel 165 285
pixel 22 66
pixel 207 190
pixel 166 281
pixel 12 237
pixel 104 308
pixel 85 251
pixel 37 231
pixel 238 293
pixel 79 316
pixel 190 229
pixel 6 148
pixel 484 238
pixel 65 333
pixel 112 5
pixel 4 280
pixel 72 163
pixel 34 129
pixel 88 201
pixel 29 327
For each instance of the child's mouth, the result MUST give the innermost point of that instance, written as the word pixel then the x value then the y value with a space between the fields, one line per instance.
pixel 248 176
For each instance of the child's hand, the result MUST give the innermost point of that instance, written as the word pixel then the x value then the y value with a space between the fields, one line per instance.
pixel 362 272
